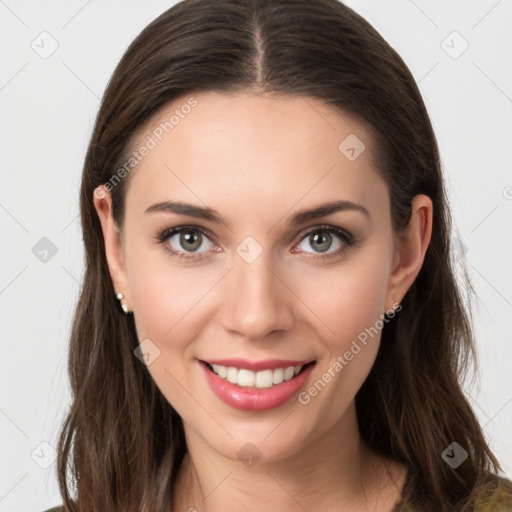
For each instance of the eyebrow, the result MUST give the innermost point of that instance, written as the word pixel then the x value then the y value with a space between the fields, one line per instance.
pixel 302 216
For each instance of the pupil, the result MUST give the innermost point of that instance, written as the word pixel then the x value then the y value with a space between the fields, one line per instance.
pixel 324 246
pixel 188 238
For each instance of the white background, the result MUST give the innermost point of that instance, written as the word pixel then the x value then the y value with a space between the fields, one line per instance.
pixel 47 111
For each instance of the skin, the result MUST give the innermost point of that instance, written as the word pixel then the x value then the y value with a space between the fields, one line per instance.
pixel 258 159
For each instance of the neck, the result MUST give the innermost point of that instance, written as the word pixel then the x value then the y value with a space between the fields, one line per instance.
pixel 336 471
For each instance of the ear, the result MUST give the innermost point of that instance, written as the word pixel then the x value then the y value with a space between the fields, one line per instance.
pixel 113 242
pixel 411 247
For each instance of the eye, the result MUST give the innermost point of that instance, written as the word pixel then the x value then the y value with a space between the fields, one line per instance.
pixel 183 240
pixel 326 239
pixel 191 242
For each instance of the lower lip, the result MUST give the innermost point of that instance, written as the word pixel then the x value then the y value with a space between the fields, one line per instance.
pixel 255 399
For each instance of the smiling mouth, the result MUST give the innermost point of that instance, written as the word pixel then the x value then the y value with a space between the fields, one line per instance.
pixel 267 378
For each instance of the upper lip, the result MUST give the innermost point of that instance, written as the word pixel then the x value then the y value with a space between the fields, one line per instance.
pixel 266 364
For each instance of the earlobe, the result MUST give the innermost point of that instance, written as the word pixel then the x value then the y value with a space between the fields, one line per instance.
pixel 112 240
pixel 411 247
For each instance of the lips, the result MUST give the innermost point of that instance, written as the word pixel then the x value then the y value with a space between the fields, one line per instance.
pixel 256 385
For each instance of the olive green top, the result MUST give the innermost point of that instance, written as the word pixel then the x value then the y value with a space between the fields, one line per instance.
pixel 491 499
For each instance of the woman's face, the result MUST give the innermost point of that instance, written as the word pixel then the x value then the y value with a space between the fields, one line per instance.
pixel 268 286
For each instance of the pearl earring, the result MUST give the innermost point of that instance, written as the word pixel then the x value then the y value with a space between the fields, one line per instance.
pixel 120 297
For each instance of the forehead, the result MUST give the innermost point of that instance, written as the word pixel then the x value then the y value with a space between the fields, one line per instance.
pixel 254 151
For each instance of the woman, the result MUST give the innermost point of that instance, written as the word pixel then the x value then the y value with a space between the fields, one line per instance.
pixel 269 318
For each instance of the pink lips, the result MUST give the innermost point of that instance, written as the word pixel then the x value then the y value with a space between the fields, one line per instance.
pixel 256 399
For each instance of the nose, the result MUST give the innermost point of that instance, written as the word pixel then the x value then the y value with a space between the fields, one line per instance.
pixel 258 301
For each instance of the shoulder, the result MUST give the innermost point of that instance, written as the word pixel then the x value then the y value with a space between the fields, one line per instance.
pixel 495 497
pixel 494 494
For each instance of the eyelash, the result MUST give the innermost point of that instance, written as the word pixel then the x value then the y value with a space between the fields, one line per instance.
pixel 346 238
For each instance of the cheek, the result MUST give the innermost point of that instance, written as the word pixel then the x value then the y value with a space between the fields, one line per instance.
pixel 348 302
pixel 171 305
pixel 165 295
pixel 346 298
pixel 168 302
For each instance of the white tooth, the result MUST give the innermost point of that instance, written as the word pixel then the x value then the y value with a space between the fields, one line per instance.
pixel 263 379
pixel 232 375
pixel 288 373
pixel 246 377
pixel 220 370
pixel 278 376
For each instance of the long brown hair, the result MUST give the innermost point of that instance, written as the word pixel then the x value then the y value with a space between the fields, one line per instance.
pixel 122 443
